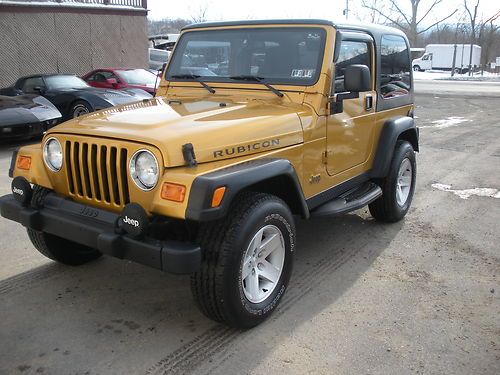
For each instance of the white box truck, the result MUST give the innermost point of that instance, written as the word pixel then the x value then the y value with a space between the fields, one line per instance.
pixel 440 57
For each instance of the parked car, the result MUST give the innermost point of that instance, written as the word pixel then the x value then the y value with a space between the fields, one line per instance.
pixel 157 57
pixel 71 95
pixel 208 179
pixel 26 116
pixel 121 78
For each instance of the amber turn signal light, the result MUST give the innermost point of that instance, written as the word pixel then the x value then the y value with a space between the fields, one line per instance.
pixel 24 162
pixel 173 192
pixel 218 195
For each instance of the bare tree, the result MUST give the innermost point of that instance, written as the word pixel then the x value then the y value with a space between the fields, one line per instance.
pixel 200 14
pixel 371 16
pixel 488 36
pixel 409 23
pixel 472 17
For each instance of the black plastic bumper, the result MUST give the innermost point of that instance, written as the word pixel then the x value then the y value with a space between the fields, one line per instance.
pixel 98 229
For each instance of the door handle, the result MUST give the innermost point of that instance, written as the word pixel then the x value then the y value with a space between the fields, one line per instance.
pixel 368 102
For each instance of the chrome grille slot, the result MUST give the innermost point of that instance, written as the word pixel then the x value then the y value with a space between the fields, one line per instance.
pixel 97 172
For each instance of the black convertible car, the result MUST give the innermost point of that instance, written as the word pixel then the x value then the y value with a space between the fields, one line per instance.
pixel 71 95
pixel 26 116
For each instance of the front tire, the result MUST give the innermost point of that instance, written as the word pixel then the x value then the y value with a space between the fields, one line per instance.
pixel 398 187
pixel 56 248
pixel 247 261
pixel 416 68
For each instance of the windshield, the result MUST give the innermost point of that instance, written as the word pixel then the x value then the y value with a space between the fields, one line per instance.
pixel 137 77
pixel 286 55
pixel 65 82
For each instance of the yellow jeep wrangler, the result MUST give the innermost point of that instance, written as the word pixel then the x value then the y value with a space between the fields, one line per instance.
pixel 254 123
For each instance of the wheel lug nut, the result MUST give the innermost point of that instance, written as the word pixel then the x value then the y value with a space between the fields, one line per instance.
pixel 259 266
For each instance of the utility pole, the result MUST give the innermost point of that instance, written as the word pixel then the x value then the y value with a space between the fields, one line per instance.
pixel 346 10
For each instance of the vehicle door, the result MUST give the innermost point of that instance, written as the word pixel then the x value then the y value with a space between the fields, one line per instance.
pixel 350 129
pixel 427 62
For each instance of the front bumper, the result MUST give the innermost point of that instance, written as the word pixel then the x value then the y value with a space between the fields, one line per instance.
pixel 99 229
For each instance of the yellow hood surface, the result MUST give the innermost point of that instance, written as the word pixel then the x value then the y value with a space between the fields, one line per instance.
pixel 217 129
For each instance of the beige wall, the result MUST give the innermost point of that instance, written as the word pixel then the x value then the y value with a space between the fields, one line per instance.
pixel 33 43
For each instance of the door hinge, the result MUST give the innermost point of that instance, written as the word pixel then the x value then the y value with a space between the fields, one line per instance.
pixel 324 157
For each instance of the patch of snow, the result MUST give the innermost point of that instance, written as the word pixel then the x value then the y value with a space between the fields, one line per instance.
pixel 443 75
pixel 446 123
pixel 467 193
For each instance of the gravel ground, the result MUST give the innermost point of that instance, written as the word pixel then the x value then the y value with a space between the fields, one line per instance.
pixel 417 297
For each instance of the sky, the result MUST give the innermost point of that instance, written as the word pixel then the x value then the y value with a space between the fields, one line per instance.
pixel 217 10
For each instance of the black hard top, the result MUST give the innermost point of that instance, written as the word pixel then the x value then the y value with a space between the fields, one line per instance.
pixel 258 22
pixel 366 27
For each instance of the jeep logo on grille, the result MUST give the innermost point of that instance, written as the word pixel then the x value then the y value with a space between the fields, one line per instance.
pixel 129 221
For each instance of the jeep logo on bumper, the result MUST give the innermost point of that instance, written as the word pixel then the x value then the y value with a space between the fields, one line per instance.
pixel 246 148
pixel 17 191
pixel 134 220
pixel 134 223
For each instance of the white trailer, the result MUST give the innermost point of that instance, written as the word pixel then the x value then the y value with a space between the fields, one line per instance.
pixel 440 57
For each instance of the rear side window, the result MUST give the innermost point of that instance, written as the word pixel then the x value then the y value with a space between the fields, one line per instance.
pixel 351 52
pixel 395 79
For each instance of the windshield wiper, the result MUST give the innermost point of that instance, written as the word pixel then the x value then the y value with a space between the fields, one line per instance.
pixel 257 79
pixel 196 78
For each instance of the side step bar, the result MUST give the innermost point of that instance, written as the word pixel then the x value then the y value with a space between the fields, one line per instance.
pixel 350 201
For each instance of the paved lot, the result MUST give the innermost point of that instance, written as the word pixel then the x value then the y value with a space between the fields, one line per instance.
pixel 420 296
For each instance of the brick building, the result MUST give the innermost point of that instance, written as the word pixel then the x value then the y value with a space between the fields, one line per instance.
pixel 70 36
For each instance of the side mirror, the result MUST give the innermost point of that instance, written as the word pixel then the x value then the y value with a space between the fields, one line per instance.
pixel 357 78
pixel 39 89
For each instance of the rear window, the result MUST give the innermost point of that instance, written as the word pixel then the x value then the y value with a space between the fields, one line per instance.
pixel 395 77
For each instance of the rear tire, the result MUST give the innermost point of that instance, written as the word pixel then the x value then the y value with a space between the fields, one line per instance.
pixel 57 248
pixel 240 252
pixel 398 187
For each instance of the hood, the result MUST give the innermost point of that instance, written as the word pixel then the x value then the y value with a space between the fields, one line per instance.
pixel 26 109
pixel 114 97
pixel 217 130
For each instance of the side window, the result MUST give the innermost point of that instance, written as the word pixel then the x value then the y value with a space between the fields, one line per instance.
pixel 30 84
pixel 395 78
pixel 351 52
pixel 101 76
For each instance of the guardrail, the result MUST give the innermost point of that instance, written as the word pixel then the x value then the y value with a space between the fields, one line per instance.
pixel 120 3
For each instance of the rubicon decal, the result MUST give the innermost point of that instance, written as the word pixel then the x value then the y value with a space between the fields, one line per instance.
pixel 246 148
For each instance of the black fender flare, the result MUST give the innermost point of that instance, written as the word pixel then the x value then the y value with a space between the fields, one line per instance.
pixel 269 175
pixel 393 130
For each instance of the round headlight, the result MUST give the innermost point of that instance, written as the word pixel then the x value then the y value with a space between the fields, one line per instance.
pixel 52 154
pixel 144 169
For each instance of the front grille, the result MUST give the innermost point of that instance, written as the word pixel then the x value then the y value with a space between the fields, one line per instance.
pixel 97 172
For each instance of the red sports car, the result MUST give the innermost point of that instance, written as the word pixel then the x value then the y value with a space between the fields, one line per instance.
pixel 119 78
